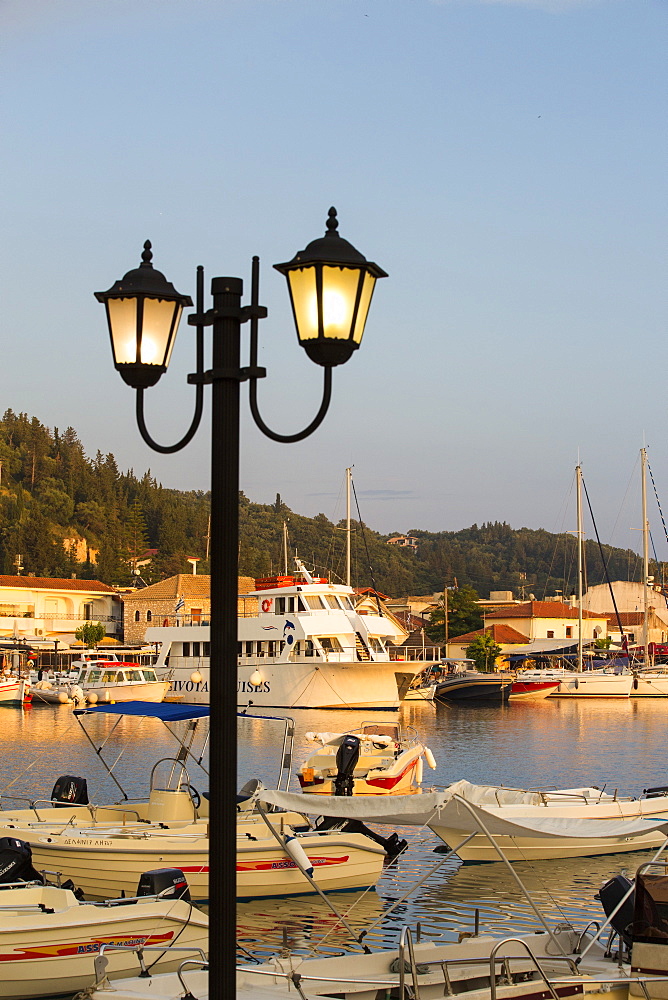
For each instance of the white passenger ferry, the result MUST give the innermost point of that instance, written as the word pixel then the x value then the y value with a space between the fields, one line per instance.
pixel 301 644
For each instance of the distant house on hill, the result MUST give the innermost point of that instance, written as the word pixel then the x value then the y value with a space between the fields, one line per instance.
pixel 404 542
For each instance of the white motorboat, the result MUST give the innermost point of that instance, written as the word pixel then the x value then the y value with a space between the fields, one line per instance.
pixel 476 821
pixel 15 690
pixel 302 644
pixel 103 680
pixel 49 939
pixel 604 683
pixel 373 759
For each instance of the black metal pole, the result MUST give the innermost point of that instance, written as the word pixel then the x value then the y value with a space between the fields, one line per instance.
pixel 223 662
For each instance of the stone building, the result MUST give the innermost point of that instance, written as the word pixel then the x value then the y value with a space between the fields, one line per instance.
pixel 181 599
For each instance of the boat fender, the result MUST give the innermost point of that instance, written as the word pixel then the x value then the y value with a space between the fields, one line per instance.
pixel 419 770
pixel 635 683
pixel 577 683
pixel 298 855
pixel 429 757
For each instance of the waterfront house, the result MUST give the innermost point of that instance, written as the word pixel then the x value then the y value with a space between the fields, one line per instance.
pixel 551 620
pixel 504 636
pixel 49 608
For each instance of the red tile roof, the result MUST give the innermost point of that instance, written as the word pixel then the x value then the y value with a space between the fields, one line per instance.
pixel 499 633
pixel 52 583
pixel 542 609
pixel 626 617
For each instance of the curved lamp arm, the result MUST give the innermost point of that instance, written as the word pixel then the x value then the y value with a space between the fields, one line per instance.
pixel 315 423
pixel 187 437
pixel 252 389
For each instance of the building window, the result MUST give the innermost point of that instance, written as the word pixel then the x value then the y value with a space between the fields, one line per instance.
pixel 88 612
pixel 569 631
pixel 149 616
pixel 136 616
pixel 550 634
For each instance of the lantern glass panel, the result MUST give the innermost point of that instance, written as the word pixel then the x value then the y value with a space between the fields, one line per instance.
pixel 363 309
pixel 339 292
pixel 304 301
pixel 160 318
pixel 123 326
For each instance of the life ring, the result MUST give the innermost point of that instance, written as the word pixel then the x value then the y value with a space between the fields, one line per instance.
pixel 266 604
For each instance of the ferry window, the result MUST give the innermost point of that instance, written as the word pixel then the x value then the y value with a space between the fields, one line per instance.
pixel 271 644
pixel 279 605
pixel 297 648
pixel 291 605
pixel 94 676
pixel 133 675
pixel 331 601
pixel 301 606
pixel 149 675
pixel 309 647
pixel 206 646
pixel 136 616
pixel 186 649
pixel 109 676
pixel 346 603
pixel 314 602
pixel 249 649
pixel 149 616
pixel 195 649
pixel 330 643
pixel 240 647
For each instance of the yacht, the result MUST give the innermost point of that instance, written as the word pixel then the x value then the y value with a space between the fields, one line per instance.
pixel 301 644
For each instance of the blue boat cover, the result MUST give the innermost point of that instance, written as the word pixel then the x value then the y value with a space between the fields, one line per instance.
pixel 166 711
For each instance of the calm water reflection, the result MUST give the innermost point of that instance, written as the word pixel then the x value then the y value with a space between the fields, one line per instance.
pixel 617 744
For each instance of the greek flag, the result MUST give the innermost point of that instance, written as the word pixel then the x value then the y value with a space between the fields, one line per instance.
pixel 180 606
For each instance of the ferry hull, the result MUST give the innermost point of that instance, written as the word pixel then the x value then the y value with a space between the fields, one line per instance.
pixel 368 685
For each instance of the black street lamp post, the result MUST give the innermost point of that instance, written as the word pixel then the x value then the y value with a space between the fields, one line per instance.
pixel 331 285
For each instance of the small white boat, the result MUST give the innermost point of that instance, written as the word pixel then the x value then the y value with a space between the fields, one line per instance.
pixel 476 821
pixel 374 759
pixel 49 940
pixel 14 690
pixel 106 681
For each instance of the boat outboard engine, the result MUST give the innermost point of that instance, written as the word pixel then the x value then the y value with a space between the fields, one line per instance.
pixel 16 861
pixel 610 895
pixel 392 845
pixel 171 883
pixel 346 758
pixel 70 791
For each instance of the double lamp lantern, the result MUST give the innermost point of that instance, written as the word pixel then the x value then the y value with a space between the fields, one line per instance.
pixel 331 285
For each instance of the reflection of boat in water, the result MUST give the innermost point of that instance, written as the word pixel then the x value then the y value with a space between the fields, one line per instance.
pixel 373 759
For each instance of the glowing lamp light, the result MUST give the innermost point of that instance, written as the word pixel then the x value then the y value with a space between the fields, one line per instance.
pixel 143 313
pixel 331 285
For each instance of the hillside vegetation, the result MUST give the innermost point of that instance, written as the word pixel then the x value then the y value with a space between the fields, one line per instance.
pixel 56 505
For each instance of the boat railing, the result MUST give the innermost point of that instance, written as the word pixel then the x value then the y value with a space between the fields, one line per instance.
pixel 101 960
pixel 406 940
pixel 533 959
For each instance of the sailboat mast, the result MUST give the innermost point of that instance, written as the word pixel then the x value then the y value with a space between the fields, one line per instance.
pixel 645 552
pixel 349 473
pixel 578 472
pixel 285 548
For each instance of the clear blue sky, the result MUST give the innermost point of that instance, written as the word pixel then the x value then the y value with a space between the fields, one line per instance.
pixel 504 161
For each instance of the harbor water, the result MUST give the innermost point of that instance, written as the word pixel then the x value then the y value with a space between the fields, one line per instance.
pixel 618 744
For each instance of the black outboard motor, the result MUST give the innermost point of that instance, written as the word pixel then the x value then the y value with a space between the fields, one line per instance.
pixel 160 879
pixel 610 895
pixel 70 791
pixel 346 758
pixel 16 861
pixel 392 845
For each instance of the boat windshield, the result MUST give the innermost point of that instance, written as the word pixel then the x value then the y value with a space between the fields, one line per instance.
pixel 149 675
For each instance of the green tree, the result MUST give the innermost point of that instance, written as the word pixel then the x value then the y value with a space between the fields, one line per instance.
pixel 464 615
pixel 484 650
pixel 90 633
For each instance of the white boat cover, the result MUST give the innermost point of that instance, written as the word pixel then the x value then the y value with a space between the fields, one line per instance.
pixel 447 809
